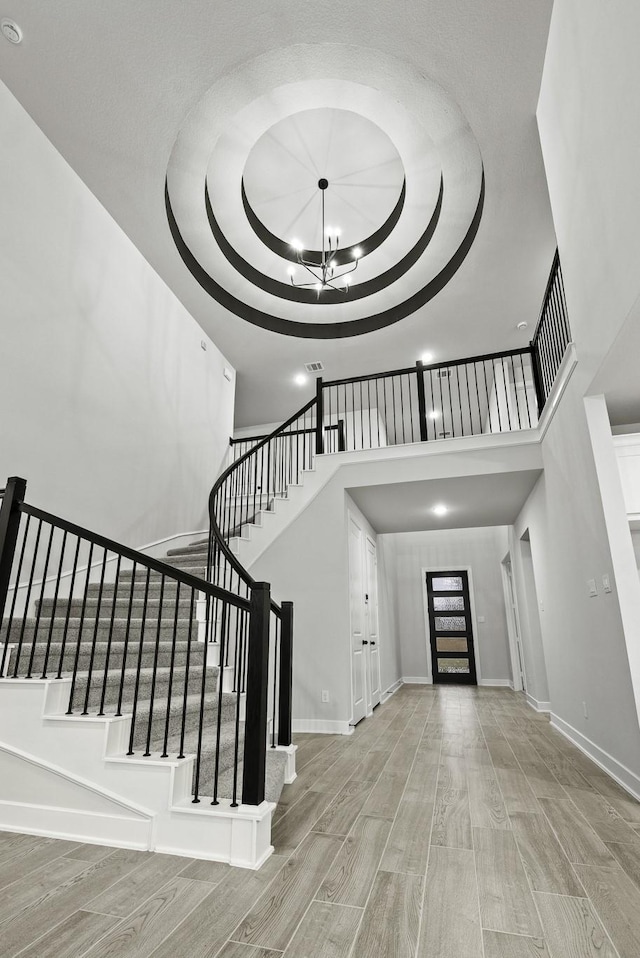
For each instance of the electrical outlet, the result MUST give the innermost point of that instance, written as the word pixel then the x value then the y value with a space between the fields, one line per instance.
pixel 203 344
pixel 480 618
pixel 606 583
pixel 325 695
pixel 585 710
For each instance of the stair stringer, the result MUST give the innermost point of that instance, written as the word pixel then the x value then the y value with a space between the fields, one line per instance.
pixel 83 787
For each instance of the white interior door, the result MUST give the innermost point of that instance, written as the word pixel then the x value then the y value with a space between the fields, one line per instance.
pixel 371 605
pixel 357 619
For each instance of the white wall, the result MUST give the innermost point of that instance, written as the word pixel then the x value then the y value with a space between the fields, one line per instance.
pixel 480 549
pixel 109 407
pixel 389 613
pixel 524 575
pixel 308 564
pixel 628 455
pixel 591 142
pixel 590 145
pixel 583 638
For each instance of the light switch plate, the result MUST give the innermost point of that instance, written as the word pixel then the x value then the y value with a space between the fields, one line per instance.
pixel 606 583
pixel 480 618
pixel 591 585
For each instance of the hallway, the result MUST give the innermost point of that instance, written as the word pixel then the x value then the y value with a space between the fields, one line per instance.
pixel 454 823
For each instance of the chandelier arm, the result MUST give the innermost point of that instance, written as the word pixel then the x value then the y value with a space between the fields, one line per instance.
pixel 302 285
pixel 311 273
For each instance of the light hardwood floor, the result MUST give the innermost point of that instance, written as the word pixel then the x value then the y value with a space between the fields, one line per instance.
pixel 454 823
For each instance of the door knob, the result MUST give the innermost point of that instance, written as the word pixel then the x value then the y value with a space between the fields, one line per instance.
pixel 373 643
pixel 365 642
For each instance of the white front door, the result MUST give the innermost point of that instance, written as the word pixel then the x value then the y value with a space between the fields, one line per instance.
pixel 357 618
pixel 371 605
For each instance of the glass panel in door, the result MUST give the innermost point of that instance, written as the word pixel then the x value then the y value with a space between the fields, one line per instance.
pixel 450 628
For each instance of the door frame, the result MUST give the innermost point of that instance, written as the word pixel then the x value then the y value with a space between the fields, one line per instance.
pixel 368 667
pixel 514 627
pixel 456 566
pixel 353 721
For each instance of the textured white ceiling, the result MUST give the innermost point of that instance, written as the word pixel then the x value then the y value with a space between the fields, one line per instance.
pixel 112 85
pixel 470 500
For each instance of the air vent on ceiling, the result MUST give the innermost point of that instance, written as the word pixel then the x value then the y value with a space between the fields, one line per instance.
pixel 314 367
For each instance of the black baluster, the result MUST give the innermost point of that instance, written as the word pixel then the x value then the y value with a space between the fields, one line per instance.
pixel 256 701
pixel 110 636
pixel 136 690
pixel 286 674
pixel 186 675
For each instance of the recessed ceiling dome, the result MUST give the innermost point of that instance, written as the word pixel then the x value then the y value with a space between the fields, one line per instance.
pixel 358 162
pixel 404 183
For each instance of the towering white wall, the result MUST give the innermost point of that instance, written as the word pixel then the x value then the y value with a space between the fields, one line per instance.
pixel 481 550
pixel 590 145
pixel 590 137
pixel 109 407
pixel 583 638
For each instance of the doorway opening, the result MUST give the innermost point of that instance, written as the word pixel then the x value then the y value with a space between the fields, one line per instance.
pixel 450 627
pixel 513 626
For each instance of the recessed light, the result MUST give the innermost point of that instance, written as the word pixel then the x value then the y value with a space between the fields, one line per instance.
pixel 434 414
pixel 11 31
pixel 300 379
pixel 426 358
pixel 440 510
pixel 297 245
pixel 357 252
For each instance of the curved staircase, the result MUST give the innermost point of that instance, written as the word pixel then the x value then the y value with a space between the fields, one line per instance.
pixel 120 659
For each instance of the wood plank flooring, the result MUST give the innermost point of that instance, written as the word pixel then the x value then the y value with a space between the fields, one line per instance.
pixel 454 823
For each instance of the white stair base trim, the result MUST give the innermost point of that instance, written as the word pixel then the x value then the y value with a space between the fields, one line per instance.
pixel 619 772
pixel 322 726
pixel 390 691
pixel 79 784
pixel 290 769
pixel 536 705
pixel 496 683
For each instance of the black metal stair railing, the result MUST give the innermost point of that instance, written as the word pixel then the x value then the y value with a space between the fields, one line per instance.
pixel 552 334
pixel 127 632
pixel 468 397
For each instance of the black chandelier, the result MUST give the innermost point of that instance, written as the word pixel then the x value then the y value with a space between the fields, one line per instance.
pixel 331 271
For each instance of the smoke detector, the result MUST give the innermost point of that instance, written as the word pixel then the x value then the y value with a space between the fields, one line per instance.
pixel 316 367
pixel 11 31
pixel 522 325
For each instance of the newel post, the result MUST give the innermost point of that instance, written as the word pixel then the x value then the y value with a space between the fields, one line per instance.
pixel 319 418
pixel 9 527
pixel 285 674
pixel 422 403
pixel 537 375
pixel 255 730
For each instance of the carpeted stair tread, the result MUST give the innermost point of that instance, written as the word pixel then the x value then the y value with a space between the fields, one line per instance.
pixel 166 652
pixel 144 682
pixel 104 629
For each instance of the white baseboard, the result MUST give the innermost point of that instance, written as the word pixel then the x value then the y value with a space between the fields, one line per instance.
pixel 391 691
pixel 496 683
pixel 322 727
pixel 417 680
pixel 536 705
pixel 619 772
